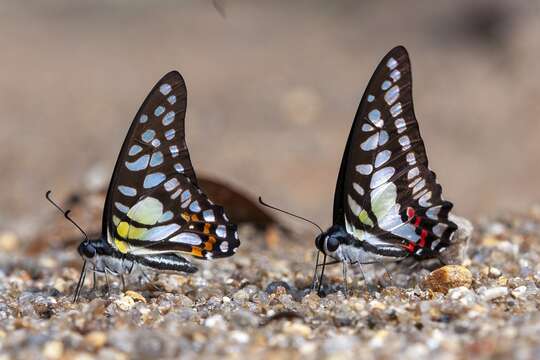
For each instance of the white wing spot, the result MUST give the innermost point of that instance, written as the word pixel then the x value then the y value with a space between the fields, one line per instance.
pixel 169 134
pixel 134 150
pixel 156 159
pixel 195 207
pixel 127 190
pixel 392 95
pixel 370 143
pixel 364 169
pixel 353 205
pixel 359 189
pixel 395 75
pixel 171 184
pixel 413 173
pixel 391 63
pixel 208 215
pixel 381 176
pixel 370 98
pixel 159 110
pixel 221 231
pixel 179 168
pixel 411 159
pixel 396 109
pixel 383 138
pixel 224 246
pixel 139 164
pixel 382 157
pixel 152 180
pixel 143 118
pixel 165 89
pixel 386 85
pixel 174 150
pixel 148 135
pixel 168 118
pixel 121 207
pixel 186 238
pixel 400 125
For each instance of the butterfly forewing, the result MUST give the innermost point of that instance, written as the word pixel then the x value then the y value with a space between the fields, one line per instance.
pixel 153 203
pixel 386 191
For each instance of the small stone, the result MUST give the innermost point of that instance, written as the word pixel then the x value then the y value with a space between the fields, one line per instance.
pixel 494 272
pixel 463 295
pixel 240 337
pixel 8 242
pixel 216 321
pixel 125 303
pixel 519 292
pixel 447 277
pixel 494 293
pixel 275 286
pixel 96 339
pixel 241 296
pixel 53 349
pixel 135 296
pixel 296 328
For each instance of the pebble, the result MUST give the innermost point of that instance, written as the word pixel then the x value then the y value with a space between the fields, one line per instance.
pixel 447 277
pixel 96 339
pixel 494 272
pixel 8 242
pixel 125 303
pixel 519 292
pixel 296 328
pixel 494 293
pixel 216 322
pixel 53 350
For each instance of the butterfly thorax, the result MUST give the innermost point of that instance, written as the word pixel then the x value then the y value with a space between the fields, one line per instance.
pixel 337 243
pixel 103 257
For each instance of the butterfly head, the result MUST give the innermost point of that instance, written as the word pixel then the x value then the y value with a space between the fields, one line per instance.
pixel 329 241
pixel 87 250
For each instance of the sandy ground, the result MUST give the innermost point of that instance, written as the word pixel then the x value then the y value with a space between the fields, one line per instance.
pixel 273 88
pixel 258 303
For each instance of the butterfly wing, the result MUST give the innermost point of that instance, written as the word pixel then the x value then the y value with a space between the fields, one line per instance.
pixel 153 203
pixel 385 191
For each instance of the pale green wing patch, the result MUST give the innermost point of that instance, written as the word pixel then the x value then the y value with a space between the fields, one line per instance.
pixel 383 199
pixel 147 211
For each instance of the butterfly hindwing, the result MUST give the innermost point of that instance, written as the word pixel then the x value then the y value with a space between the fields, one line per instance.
pixel 385 190
pixel 153 203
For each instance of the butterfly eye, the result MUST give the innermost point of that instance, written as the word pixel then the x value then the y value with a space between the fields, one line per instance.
pixel 332 243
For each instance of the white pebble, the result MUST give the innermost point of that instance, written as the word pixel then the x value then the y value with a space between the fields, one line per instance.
pixel 495 293
pixel 519 292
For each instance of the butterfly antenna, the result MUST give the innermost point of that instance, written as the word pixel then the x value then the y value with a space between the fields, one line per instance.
pixel 65 212
pixel 291 214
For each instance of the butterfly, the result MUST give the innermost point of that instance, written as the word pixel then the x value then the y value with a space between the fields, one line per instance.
pixel 155 212
pixel 387 204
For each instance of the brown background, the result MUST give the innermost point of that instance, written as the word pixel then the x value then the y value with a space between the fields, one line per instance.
pixel 273 88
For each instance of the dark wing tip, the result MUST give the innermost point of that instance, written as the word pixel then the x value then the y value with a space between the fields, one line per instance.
pixel 173 75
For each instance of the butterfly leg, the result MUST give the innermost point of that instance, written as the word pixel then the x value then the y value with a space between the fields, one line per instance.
pixel 314 281
pixel 150 281
pixel 94 279
pixel 387 273
pixel 365 278
pixel 108 292
pixel 80 283
pixel 123 282
pixel 345 279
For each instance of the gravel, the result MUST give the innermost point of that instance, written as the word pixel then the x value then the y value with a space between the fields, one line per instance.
pixel 259 304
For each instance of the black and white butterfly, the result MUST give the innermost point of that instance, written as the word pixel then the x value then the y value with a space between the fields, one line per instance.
pixel 154 211
pixel 387 204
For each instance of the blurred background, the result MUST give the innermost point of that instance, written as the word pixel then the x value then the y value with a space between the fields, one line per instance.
pixel 272 90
